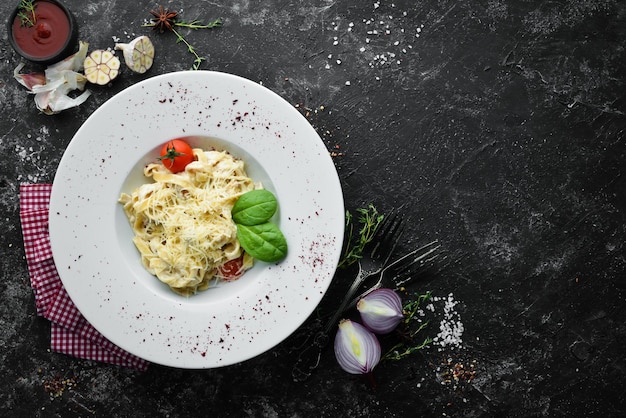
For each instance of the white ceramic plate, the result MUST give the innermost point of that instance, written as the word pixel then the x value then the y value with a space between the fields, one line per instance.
pixel 91 237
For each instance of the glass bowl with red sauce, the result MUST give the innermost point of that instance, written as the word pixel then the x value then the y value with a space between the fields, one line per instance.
pixel 52 37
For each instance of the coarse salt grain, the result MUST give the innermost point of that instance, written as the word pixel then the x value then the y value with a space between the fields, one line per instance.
pixel 450 327
pixel 385 36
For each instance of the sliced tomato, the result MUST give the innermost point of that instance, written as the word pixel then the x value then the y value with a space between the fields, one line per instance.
pixel 176 154
pixel 231 270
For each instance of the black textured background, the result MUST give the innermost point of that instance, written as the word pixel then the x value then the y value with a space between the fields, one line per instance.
pixel 500 128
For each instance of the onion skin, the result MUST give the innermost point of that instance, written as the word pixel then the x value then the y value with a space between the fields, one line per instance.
pixel 381 310
pixel 357 350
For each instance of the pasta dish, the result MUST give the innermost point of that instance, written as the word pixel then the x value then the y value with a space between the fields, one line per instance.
pixel 182 222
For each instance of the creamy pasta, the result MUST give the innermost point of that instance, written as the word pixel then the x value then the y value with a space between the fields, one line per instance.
pixel 182 222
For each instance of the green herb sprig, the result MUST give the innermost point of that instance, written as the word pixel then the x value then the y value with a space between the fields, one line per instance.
pixel 166 20
pixel 196 24
pixel 408 346
pixel 26 13
pixel 369 221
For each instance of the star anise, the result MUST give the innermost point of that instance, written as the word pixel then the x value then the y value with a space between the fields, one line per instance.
pixel 164 19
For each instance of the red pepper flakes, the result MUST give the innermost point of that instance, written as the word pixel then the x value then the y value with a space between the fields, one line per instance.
pixel 458 373
pixel 57 385
pixel 336 153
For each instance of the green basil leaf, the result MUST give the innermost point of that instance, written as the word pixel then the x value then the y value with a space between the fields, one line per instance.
pixel 264 242
pixel 254 207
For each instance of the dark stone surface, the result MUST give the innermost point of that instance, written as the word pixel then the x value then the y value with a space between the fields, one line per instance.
pixel 500 127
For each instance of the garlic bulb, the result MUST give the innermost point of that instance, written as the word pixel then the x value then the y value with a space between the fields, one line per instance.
pixel 381 310
pixel 138 54
pixel 101 67
pixel 357 349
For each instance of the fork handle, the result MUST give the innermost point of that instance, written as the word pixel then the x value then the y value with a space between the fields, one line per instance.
pixel 309 358
pixel 356 299
pixel 360 277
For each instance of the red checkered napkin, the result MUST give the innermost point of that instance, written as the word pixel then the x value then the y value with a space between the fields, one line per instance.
pixel 70 332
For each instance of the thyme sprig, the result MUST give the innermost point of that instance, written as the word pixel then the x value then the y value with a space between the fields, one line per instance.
pixel 198 24
pixel 26 13
pixel 195 25
pixel 408 345
pixel 173 21
pixel 198 59
pixel 369 221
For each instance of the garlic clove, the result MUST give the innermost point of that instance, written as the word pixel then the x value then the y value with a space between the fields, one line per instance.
pixel 53 72
pixel 51 88
pixel 138 54
pixel 101 67
pixel 381 310
pixel 28 80
pixel 357 350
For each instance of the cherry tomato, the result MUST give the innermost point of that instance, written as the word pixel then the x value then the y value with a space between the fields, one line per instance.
pixel 176 154
pixel 231 270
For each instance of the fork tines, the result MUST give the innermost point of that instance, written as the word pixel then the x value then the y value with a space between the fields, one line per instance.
pixel 405 268
pixel 388 235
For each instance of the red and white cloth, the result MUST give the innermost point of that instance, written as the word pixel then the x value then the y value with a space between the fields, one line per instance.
pixel 71 334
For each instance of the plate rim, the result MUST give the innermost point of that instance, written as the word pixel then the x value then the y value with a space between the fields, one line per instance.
pixel 177 77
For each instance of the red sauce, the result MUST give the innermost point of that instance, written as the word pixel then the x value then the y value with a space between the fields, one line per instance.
pixel 49 34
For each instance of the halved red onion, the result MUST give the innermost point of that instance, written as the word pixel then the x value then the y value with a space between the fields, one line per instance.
pixel 357 349
pixel 381 310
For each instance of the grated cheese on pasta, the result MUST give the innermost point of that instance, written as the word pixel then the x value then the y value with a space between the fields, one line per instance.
pixel 182 222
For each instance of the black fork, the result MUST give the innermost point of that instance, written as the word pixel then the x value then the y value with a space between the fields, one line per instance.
pixel 403 270
pixel 373 262
pixel 376 255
